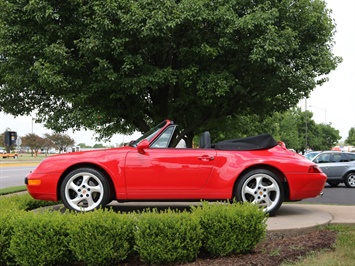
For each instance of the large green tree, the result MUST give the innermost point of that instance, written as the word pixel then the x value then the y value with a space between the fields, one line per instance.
pixel 119 66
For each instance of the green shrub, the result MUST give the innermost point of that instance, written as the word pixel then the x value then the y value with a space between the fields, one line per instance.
pixel 6 231
pixel 101 237
pixel 40 238
pixel 104 237
pixel 167 237
pixel 230 228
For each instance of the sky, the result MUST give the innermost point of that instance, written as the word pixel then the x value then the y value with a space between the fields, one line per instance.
pixel 333 102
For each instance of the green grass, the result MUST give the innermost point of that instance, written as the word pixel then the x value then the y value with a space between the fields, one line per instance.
pixel 9 190
pixel 344 253
pixel 24 157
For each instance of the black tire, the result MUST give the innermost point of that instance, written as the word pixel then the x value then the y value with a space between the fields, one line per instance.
pixel 333 183
pixel 350 180
pixel 261 187
pixel 85 189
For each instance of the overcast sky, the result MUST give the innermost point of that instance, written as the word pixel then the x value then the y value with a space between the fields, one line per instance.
pixel 334 102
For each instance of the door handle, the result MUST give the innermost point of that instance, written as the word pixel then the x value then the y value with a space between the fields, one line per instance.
pixel 206 158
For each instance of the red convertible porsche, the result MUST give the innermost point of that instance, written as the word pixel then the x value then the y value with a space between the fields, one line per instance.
pixel 153 168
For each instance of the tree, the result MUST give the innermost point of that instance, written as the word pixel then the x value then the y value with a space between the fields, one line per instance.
pixel 289 127
pixel 350 140
pixel 83 145
pixel 98 145
pixel 60 141
pixel 47 144
pixel 33 141
pixel 121 66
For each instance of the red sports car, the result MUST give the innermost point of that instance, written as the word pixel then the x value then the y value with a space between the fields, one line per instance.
pixel 254 169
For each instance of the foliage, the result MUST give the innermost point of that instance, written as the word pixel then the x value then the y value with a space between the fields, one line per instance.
pixel 33 141
pixel 121 66
pixel 5 238
pixel 167 237
pixel 231 228
pixel 46 237
pixel 60 141
pixel 108 237
pixel 40 239
pixel 351 138
pixel 294 127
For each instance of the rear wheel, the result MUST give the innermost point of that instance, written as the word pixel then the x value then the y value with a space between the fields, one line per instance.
pixel 261 187
pixel 85 189
pixel 350 180
pixel 333 183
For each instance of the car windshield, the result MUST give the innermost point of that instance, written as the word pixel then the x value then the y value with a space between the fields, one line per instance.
pixel 148 135
pixel 311 155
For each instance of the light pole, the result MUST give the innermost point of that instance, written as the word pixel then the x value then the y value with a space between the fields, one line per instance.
pixel 324 110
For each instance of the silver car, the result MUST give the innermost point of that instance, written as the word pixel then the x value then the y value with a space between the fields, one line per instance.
pixel 310 155
pixel 338 166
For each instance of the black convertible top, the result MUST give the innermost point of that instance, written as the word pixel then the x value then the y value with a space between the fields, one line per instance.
pixel 260 142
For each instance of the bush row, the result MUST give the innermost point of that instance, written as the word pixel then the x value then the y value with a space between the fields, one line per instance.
pixel 104 237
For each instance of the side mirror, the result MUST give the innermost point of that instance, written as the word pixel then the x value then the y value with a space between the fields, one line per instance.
pixel 144 144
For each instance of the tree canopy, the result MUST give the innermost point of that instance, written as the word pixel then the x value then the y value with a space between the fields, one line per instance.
pixel 121 66
pixel 351 138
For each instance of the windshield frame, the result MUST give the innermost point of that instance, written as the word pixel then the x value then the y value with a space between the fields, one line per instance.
pixel 151 134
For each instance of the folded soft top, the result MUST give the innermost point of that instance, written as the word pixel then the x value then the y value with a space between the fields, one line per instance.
pixel 260 142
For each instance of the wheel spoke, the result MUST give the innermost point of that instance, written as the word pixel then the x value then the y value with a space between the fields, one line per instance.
pixel 73 186
pixel 85 181
pixel 250 191
pixel 95 189
pixel 76 200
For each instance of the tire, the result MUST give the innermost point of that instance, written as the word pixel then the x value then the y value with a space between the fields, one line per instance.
pixel 261 187
pixel 85 189
pixel 350 180
pixel 333 183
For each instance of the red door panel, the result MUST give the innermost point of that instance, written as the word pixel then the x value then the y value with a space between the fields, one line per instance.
pixel 164 170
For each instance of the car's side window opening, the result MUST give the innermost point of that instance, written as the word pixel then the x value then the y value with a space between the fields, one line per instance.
pixel 164 139
pixel 324 158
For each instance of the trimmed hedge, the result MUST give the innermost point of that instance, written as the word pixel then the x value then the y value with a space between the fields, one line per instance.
pixel 104 237
pixel 40 239
pixel 231 228
pixel 167 237
pixel 101 237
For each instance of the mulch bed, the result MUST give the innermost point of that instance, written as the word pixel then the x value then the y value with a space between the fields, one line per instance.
pixel 274 250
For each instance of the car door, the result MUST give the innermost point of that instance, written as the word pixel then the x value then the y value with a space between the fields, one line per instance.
pixel 324 162
pixel 339 165
pixel 164 173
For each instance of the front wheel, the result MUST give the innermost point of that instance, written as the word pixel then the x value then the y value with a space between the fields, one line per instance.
pixel 350 180
pixel 84 189
pixel 261 187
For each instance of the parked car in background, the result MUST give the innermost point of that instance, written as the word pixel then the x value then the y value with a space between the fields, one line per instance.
pixel 310 155
pixel 338 166
pixel 5 155
pixel 153 168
